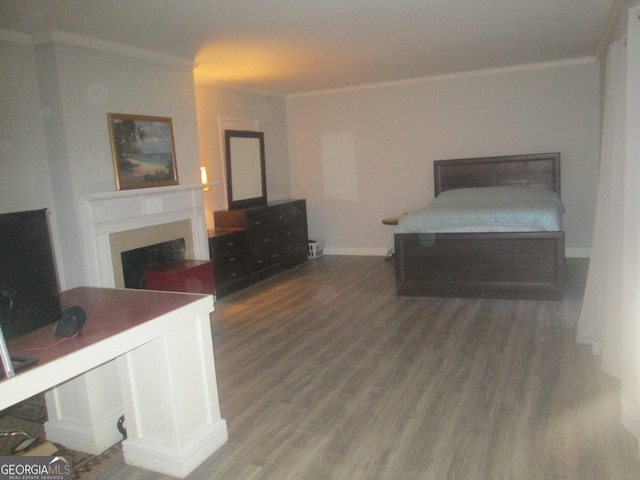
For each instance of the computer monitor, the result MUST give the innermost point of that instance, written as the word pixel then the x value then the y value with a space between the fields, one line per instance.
pixel 29 294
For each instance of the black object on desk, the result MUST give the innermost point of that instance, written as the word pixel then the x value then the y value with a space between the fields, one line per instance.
pixel 71 322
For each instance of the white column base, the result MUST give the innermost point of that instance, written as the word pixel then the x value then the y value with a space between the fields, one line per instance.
pixel 163 458
pixel 83 412
pixel 83 439
pixel 170 398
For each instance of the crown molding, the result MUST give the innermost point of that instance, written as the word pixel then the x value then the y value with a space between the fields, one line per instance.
pixel 67 38
pixel 204 80
pixel 14 37
pixel 448 76
pixel 609 30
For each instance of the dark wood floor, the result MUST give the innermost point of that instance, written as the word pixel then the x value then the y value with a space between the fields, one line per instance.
pixel 324 373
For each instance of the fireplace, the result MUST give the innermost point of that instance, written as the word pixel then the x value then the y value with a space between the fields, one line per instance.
pixel 147 237
pixel 116 222
pixel 136 262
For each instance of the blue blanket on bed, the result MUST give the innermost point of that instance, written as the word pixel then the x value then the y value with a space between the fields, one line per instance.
pixel 499 207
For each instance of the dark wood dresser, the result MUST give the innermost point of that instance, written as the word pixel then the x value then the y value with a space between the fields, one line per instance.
pixel 251 244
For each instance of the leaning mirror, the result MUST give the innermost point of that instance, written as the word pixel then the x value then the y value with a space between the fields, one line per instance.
pixel 246 180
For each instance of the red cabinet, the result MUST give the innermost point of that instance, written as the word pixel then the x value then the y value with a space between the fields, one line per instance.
pixel 192 276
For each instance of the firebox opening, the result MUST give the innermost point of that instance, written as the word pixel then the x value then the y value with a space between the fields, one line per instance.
pixel 137 261
pixel 131 239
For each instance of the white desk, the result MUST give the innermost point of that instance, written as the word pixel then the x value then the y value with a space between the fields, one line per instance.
pixel 159 346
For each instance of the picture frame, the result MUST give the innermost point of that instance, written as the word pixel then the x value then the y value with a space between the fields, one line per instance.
pixel 143 151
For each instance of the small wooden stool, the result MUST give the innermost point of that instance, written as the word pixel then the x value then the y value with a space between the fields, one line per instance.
pixel 390 221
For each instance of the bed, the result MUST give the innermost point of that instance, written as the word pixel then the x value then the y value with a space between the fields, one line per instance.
pixel 504 261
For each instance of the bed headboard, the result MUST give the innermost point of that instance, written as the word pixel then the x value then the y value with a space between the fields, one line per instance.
pixel 539 170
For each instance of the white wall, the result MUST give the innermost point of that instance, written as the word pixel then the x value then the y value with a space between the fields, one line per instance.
pixel 270 114
pixel 25 180
pixel 58 127
pixel 22 144
pixel 91 83
pixel 379 144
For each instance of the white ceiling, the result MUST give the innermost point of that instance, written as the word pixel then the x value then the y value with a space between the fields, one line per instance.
pixel 293 46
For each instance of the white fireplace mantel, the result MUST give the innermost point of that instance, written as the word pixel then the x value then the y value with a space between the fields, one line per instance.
pixel 104 213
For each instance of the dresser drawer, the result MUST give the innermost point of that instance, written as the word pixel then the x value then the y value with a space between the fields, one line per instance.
pixel 293 213
pixel 294 234
pixel 227 244
pixel 256 219
pixel 264 249
pixel 230 268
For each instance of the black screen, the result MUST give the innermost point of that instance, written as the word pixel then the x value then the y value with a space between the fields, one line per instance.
pixel 28 283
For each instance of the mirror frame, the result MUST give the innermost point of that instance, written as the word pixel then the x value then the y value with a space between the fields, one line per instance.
pixel 237 161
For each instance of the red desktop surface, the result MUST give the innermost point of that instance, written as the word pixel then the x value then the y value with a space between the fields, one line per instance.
pixel 109 312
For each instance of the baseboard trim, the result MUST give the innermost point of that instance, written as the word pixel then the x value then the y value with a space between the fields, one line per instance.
pixel 578 252
pixel 358 251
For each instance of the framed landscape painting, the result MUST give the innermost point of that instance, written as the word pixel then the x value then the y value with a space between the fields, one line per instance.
pixel 143 151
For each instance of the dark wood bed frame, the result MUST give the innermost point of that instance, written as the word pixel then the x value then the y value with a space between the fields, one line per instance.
pixel 526 265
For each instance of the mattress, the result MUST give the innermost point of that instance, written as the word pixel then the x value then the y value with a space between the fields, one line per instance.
pixel 487 209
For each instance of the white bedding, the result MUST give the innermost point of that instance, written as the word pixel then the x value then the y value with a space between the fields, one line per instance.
pixel 487 209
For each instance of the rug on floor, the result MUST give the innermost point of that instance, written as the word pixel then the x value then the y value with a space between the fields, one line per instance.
pixel 29 416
